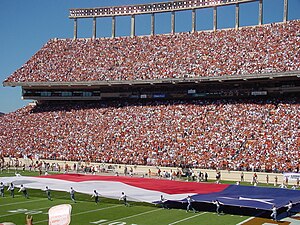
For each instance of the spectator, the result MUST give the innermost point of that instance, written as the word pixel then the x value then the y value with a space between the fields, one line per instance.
pixel 248 50
pixel 200 133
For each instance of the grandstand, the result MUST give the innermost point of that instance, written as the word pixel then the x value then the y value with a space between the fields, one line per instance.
pixel 249 61
pixel 214 134
pixel 221 99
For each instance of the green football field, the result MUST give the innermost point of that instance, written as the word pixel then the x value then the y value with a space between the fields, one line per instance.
pixel 85 211
pixel 108 211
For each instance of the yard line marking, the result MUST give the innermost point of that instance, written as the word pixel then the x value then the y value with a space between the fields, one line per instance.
pixel 23 212
pixel 16 203
pixel 188 218
pixel 94 210
pixel 128 217
pixel 245 221
pixel 48 207
pixel 8 196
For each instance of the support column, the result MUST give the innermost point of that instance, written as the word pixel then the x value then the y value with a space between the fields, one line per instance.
pixel 75 28
pixel 193 20
pixel 132 32
pixel 172 22
pixel 215 19
pixel 285 11
pixel 113 27
pixel 152 24
pixel 94 27
pixel 237 16
pixel 260 13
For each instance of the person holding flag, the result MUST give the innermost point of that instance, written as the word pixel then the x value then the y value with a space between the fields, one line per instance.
pixel 189 206
pixel 48 193
pixel 11 188
pixel 124 198
pixel 289 207
pixel 24 190
pixel 1 189
pixel 218 205
pixel 72 194
pixel 274 213
pixel 96 195
pixel 163 202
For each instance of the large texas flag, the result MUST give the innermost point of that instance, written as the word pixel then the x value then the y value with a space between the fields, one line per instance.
pixel 149 190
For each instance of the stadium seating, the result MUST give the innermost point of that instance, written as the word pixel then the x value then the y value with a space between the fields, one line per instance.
pixel 248 50
pixel 258 135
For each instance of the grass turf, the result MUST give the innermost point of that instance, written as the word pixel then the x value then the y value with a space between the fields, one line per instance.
pixel 108 211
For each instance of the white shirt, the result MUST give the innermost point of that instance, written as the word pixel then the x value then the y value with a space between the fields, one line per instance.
pixel 189 200
pixel 22 189
pixel 95 194
pixel 123 197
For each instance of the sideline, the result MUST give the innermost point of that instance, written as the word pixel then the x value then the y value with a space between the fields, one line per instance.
pixel 94 210
pixel 200 214
pixel 128 217
pixel 140 170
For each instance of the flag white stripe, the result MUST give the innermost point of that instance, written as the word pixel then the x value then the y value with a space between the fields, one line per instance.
pixel 108 189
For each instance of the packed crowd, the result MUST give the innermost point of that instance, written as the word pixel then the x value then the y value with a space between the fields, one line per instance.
pixel 258 135
pixel 249 50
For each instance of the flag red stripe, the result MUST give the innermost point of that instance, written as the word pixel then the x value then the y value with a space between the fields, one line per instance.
pixel 162 185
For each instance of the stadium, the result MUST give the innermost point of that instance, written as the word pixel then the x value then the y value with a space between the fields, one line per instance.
pixel 177 121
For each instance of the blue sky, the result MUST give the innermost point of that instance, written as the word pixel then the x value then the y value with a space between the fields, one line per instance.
pixel 25 26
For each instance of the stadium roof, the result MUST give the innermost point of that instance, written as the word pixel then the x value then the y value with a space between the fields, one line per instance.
pixel 157 7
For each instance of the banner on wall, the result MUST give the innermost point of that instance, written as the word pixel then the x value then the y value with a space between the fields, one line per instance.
pixel 291 176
